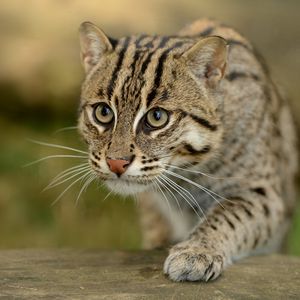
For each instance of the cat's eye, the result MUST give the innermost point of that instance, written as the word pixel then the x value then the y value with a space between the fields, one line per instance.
pixel 103 113
pixel 157 117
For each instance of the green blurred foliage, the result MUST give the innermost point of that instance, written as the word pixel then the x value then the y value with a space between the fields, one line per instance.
pixel 40 78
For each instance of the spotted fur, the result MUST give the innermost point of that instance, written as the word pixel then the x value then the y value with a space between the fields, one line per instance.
pixel 230 140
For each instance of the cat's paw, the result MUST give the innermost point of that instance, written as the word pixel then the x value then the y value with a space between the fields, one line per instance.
pixel 192 264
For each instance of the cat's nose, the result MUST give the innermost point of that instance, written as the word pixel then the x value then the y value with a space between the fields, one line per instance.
pixel 119 165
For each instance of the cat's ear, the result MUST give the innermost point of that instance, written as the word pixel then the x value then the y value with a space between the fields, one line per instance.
pixel 94 43
pixel 207 59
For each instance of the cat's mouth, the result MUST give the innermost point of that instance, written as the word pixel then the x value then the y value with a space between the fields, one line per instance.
pixel 128 187
pixel 128 183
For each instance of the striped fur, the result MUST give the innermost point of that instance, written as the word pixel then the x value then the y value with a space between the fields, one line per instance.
pixel 231 123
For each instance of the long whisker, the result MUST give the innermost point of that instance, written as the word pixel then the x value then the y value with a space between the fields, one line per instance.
pixel 186 195
pixel 168 203
pixel 54 156
pixel 201 173
pixel 167 185
pixel 78 172
pixel 209 192
pixel 135 199
pixel 65 129
pixel 67 172
pixel 107 195
pixel 153 186
pixel 69 186
pixel 57 146
pixel 88 181
pixel 185 191
pixel 99 185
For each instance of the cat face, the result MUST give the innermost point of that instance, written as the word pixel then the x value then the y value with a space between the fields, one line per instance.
pixel 148 103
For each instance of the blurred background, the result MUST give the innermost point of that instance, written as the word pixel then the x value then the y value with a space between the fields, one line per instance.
pixel 40 77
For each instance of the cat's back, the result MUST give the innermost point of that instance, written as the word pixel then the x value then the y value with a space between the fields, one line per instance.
pixel 254 110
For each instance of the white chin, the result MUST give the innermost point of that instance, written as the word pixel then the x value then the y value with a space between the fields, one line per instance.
pixel 126 188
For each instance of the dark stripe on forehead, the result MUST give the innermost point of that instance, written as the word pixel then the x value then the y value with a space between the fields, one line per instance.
pixel 134 62
pixel 138 45
pixel 161 44
pixel 117 68
pixel 138 41
pixel 127 81
pixel 159 72
pixel 146 62
pixel 203 122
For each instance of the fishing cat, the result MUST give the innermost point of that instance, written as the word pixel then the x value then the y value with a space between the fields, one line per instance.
pixel 195 127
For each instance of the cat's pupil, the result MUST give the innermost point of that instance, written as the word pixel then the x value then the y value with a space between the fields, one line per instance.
pixel 105 111
pixel 157 114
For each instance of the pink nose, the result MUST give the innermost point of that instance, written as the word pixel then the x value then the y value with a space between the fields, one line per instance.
pixel 118 166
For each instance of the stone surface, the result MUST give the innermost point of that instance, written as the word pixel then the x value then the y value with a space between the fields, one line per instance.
pixel 91 274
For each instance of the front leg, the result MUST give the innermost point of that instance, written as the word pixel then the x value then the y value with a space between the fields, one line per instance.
pixel 235 229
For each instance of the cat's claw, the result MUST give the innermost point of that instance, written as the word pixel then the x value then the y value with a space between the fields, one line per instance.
pixel 193 265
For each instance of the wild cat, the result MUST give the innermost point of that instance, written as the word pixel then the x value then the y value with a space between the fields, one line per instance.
pixel 195 127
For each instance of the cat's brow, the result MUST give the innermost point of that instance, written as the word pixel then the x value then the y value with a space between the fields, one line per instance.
pixel 159 71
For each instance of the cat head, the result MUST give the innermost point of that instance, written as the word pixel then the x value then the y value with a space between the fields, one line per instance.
pixel 148 102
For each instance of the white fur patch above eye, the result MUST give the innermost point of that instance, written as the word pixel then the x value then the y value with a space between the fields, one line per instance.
pixel 138 118
pixel 113 107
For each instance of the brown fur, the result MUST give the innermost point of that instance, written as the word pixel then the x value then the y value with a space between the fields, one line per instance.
pixel 229 128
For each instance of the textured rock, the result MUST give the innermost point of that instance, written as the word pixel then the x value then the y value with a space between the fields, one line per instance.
pixel 85 274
